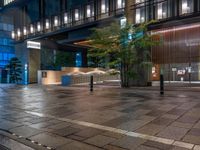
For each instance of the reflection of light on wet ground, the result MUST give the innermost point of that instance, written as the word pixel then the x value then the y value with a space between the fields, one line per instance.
pixel 182 96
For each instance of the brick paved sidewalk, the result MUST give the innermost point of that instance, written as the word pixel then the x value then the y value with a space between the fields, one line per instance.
pixel 109 118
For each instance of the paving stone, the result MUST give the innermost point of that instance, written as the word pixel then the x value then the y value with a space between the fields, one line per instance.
pixel 89 132
pixel 150 129
pixel 170 116
pixel 100 140
pixel 78 146
pixel 197 125
pixel 111 147
pixel 156 113
pixel 75 137
pixel 128 142
pixel 179 148
pixel 143 147
pixel 132 125
pixel 162 121
pixel 176 112
pixel 188 119
pixel 182 125
pixel 192 139
pixel 195 132
pixel 51 140
pixel 66 131
pixel 7 125
pixel 25 131
pixel 113 135
pixel 173 133
pixel 158 145
pixel 60 125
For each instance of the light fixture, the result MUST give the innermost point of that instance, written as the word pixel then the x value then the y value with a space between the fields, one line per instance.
pixel 25 31
pixel 119 4
pixel 31 29
pixel 76 14
pixel 56 21
pixel 185 7
pixel 18 32
pixel 103 6
pixel 38 27
pixel 13 34
pixel 47 24
pixel 160 11
pixel 65 18
pixel 88 11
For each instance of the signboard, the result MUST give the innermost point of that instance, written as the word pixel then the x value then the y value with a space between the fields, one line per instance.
pixel 181 72
pixel 34 45
pixel 44 74
pixel 174 69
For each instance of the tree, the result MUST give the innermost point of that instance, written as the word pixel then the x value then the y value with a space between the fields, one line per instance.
pixel 65 59
pixel 127 49
pixel 15 71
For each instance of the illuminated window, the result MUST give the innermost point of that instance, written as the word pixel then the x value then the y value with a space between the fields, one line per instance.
pixel 13 34
pixel 76 14
pixel 66 19
pixel 18 32
pixel 25 31
pixel 31 29
pixel 187 6
pixel 139 1
pixel 38 26
pixel 56 23
pixel 104 6
pixel 140 15
pixel 161 10
pixel 120 4
pixel 89 11
pixel 7 1
pixel 47 24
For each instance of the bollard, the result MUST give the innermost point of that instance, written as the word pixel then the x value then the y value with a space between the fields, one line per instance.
pixel 161 84
pixel 91 83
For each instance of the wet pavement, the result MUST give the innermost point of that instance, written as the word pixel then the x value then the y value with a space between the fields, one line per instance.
pixel 72 118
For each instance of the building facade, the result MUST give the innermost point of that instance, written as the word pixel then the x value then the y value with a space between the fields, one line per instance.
pixel 178 24
pixel 6 45
pixel 46 28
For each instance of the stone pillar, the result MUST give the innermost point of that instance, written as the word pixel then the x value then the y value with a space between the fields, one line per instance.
pixel 22 53
pixel 129 12
pixel 30 57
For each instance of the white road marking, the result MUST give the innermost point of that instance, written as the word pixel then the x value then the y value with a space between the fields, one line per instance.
pixel 123 132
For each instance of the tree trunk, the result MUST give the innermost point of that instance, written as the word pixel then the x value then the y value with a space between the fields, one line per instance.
pixel 124 75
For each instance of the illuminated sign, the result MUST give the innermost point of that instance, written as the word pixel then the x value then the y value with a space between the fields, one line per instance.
pixel 34 45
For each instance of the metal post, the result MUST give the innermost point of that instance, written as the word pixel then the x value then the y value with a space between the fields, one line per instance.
pixel 161 84
pixel 91 83
pixel 161 81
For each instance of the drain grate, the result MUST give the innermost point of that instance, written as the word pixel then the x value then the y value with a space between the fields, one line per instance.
pixel 27 139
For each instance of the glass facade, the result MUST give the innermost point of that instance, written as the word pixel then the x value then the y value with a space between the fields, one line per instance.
pixel 186 6
pixel 6 46
pixel 164 9
pixel 46 16
pixel 6 2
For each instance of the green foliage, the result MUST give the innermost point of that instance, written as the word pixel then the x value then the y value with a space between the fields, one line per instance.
pixel 125 48
pixel 15 71
pixel 64 59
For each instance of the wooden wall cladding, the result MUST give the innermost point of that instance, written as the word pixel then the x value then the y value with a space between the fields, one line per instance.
pixel 179 44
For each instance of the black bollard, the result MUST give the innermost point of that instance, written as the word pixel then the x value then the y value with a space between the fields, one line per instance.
pixel 161 84
pixel 91 83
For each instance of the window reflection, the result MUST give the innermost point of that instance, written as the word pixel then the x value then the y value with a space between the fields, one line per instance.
pixel 187 6
pixel 161 11
pixel 140 15
pixel 104 6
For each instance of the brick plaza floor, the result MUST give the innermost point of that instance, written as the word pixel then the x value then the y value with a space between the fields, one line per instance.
pixel 72 118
